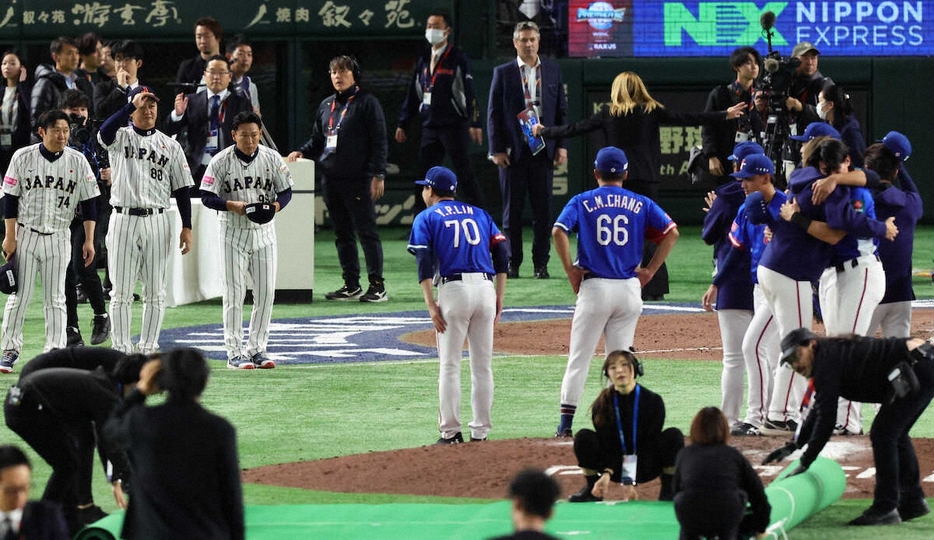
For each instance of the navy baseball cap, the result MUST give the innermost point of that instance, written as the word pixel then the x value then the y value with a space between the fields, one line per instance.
pixel 440 179
pixel 817 129
pixel 611 160
pixel 753 165
pixel 8 281
pixel 898 144
pixel 139 90
pixel 743 149
pixel 791 342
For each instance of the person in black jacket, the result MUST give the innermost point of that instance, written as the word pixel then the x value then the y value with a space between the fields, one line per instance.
pixel 208 117
pixel 349 144
pixel 898 373
pixel 208 36
pixel 629 444
pixel 631 122
pixel 186 474
pixel 720 139
pixel 59 412
pixel 15 123
pixel 52 81
pixel 713 482
pixel 441 95
pixel 833 106
pixel 20 517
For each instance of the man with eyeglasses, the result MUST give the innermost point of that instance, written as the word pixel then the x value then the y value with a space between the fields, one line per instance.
pixel 20 517
pixel 208 116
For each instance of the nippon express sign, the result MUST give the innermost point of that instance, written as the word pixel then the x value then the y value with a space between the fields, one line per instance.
pixel 861 28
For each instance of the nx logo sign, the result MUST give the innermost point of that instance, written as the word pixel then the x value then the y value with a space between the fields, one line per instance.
pixel 719 23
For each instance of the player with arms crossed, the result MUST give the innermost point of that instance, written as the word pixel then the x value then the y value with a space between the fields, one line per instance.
pixel 454 240
pixel 247 183
pixel 612 224
pixel 148 166
pixel 41 188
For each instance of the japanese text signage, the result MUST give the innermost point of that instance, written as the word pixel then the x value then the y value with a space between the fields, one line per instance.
pixel 703 28
pixel 139 18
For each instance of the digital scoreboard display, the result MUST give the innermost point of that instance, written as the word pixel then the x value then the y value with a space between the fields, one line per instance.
pixel 644 28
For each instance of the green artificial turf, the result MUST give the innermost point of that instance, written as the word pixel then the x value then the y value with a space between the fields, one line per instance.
pixel 306 412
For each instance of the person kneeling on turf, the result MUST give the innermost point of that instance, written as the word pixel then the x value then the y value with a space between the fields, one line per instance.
pixel 628 444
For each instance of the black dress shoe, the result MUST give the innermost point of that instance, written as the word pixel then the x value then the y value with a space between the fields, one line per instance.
pixel 875 517
pixel 913 510
pixel 585 495
pixel 542 273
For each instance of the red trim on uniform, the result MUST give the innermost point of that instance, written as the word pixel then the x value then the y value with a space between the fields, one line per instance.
pixel 862 297
pixel 763 391
pixel 798 299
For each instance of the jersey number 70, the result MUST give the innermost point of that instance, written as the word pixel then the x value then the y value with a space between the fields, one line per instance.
pixel 470 229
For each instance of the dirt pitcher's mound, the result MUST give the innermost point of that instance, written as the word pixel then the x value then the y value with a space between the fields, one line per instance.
pixel 484 469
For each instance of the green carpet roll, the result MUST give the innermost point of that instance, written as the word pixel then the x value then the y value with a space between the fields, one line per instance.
pixel 797 498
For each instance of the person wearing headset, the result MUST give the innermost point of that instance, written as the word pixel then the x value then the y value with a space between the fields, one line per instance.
pixel 628 444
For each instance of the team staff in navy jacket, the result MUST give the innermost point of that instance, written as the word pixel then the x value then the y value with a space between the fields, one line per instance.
pixel 533 82
pixel 348 143
pixel 441 94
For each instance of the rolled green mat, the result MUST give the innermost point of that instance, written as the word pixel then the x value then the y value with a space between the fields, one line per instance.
pixel 797 498
pixel 103 529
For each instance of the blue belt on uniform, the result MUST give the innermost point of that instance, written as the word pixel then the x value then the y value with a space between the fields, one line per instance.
pixel 138 211
pixel 40 233
pixel 852 263
pixel 460 277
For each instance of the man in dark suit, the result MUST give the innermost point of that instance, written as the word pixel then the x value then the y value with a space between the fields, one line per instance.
pixel 207 116
pixel 186 473
pixel 532 86
pixel 19 517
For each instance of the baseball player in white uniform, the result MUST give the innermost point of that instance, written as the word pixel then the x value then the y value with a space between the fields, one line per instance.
pixel 452 242
pixel 612 224
pixel 237 177
pixel 42 186
pixel 148 166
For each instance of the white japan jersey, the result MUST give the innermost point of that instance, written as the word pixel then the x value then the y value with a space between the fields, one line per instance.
pixel 49 191
pixel 233 179
pixel 147 168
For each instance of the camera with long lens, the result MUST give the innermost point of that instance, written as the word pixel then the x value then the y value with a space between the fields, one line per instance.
pixel 80 130
pixel 774 86
pixel 779 74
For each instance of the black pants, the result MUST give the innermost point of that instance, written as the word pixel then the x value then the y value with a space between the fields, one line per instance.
pixel 533 175
pixel 86 275
pixel 898 480
pixel 710 514
pixel 653 455
pixel 353 214
pixel 68 447
pixel 455 141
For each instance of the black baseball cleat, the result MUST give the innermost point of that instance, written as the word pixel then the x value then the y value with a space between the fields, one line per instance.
pixel 565 433
pixel 456 439
pixel 876 517
pixel 542 273
pixel 345 293
pixel 475 439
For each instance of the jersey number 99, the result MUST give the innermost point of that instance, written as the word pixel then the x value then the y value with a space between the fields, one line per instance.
pixel 470 229
pixel 612 229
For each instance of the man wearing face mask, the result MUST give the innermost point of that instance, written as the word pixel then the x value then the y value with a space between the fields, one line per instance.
pixel 441 93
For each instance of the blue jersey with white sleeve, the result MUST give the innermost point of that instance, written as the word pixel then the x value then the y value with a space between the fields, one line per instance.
pixel 612 224
pixel 750 237
pixel 460 237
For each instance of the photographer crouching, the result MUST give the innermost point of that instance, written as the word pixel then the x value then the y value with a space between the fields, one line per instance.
pixel 898 373
pixel 75 104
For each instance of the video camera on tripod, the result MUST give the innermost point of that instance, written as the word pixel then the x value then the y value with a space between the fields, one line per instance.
pixel 774 86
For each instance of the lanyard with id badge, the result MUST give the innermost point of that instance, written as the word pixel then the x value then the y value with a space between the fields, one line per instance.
pixel 213 142
pixel 528 118
pixel 628 469
pixel 426 94
pixel 330 142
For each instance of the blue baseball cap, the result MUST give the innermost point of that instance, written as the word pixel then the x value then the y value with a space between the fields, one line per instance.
pixel 611 160
pixel 817 129
pixel 439 179
pixel 743 149
pixel 753 165
pixel 898 144
pixel 140 90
